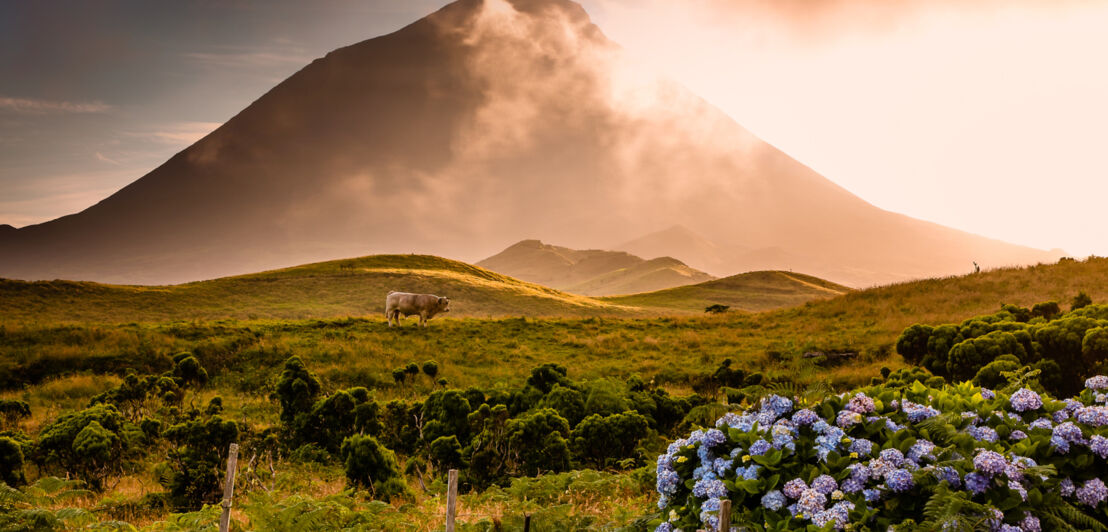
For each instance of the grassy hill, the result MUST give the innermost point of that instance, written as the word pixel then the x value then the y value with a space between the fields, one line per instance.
pixel 753 291
pixel 352 287
pixel 591 272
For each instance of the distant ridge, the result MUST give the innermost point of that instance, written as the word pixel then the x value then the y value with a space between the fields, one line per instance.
pixel 752 291
pixel 591 272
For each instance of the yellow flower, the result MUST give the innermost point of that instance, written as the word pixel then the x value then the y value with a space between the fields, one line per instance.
pixel 854 455
pixel 673 515
pixel 682 459
pixel 746 458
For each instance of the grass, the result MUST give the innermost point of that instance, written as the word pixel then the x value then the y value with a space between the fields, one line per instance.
pixel 56 367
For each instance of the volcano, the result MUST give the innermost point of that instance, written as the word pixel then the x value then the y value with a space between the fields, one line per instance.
pixel 485 123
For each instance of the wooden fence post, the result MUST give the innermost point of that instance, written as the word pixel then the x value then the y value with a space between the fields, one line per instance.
pixel 724 516
pixel 451 498
pixel 229 487
pixel 526 522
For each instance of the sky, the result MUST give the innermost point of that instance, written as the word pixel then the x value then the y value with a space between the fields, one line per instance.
pixel 982 115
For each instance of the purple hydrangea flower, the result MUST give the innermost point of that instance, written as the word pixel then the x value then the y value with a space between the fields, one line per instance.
pixel 892 456
pixel 1030 523
pixel 860 472
pixel 861 403
pixel 852 485
pixel 774 500
pixel 990 462
pixel 899 480
pixel 1024 400
pixel 1092 492
pixel 714 437
pixel 837 516
pixel 1094 416
pixel 847 418
pixel 811 502
pixel 1016 486
pixel 825 484
pixel 1068 432
pixel 977 483
pixel 1099 446
pixel 987 393
pixel 1060 416
pixel 922 449
pixel 917 413
pixel 668 481
pixel 1041 423
pixel 721 466
pixel 794 488
pixel 871 494
pixel 1066 487
pixel 776 404
pixel 1017 435
pixel 1009 528
pixel 1100 382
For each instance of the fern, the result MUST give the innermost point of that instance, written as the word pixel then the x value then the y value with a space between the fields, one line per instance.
pixel 1069 513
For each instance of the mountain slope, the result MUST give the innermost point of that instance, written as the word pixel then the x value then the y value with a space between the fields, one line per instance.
pixel 351 287
pixel 487 121
pixel 590 272
pixel 753 291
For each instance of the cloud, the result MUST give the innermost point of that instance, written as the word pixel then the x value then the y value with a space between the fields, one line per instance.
pixel 249 59
pixel 178 133
pixel 36 106
pixel 104 159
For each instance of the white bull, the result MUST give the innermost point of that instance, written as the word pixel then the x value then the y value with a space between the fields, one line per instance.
pixel 425 305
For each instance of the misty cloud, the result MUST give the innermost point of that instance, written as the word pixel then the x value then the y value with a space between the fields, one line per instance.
pixel 37 106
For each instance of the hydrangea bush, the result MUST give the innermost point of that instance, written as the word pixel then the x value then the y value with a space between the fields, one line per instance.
pixel 883 457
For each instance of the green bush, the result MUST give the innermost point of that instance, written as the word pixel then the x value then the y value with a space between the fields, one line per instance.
pixel 198 460
pixel 1048 310
pixel 11 462
pixel 568 402
pixel 431 369
pixel 912 344
pixel 544 377
pixel 98 429
pixel 445 413
pixel 600 442
pixel 445 453
pixel 297 390
pixel 373 466
pixel 13 410
pixel 1081 300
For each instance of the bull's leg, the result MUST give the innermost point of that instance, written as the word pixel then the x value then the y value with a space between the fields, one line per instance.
pixel 423 319
pixel 388 317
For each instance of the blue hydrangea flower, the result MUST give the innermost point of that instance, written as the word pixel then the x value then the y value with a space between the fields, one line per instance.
pixel 871 494
pixel 1066 487
pixel 837 515
pixel 776 404
pixel 922 449
pixel 861 446
pixel 1009 528
pixel 899 480
pixel 668 481
pixel 982 433
pixel 1100 382
pixel 990 462
pixel 664 527
pixel 805 417
pixel 1092 492
pixel 721 466
pixel 917 412
pixel 987 393
pixel 1060 416
pixel 852 485
pixel 1068 432
pixel 714 437
pixel 860 472
pixel 847 418
pixel 760 447
pixel 950 475
pixel 825 484
pixel 977 483
pixel 1024 400
pixel 774 500
pixel 709 487
pixel 1017 435
pixel 1016 486
pixel 892 456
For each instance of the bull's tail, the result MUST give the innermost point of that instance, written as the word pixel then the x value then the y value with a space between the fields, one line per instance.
pixel 392 292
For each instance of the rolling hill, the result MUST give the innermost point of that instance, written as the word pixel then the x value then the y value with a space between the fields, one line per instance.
pixel 590 272
pixel 488 121
pixel 352 287
pixel 753 292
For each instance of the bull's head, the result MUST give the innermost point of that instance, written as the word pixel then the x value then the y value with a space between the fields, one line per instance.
pixel 444 304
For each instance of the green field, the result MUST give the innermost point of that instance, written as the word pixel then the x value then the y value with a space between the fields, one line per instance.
pixel 61 343
pixel 752 292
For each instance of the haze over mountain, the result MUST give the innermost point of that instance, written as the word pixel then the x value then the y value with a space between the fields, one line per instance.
pixel 592 272
pixel 487 122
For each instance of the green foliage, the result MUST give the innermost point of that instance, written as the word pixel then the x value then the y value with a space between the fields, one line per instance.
pixel 717 309
pixel 373 466
pixel 604 397
pixel 536 442
pixel 991 375
pixel 969 355
pixel 297 390
pixel 600 442
pixel 334 418
pixel 431 368
pixel 13 410
pixel 1081 300
pixel 11 462
pixel 568 402
pixel 544 377
pixel 445 413
pixel 198 460
pixel 445 453
pixel 400 425
pixel 1094 346
pixel 912 344
pixel 98 429
pixel 1047 310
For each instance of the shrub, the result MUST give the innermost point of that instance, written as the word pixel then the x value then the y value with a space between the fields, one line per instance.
pixel 717 309
pixel 1048 310
pixel 601 441
pixel 1081 300
pixel 991 375
pixel 11 462
pixel 335 417
pixel 199 460
pixel 568 402
pixel 898 459
pixel 544 377
pixel 97 429
pixel 912 344
pixel 445 413
pixel 13 410
pixel 431 369
pixel 969 355
pixel 536 443
pixel 297 390
pixel 445 453
pixel 372 465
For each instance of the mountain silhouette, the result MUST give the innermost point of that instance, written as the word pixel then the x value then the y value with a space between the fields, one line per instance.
pixel 485 123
